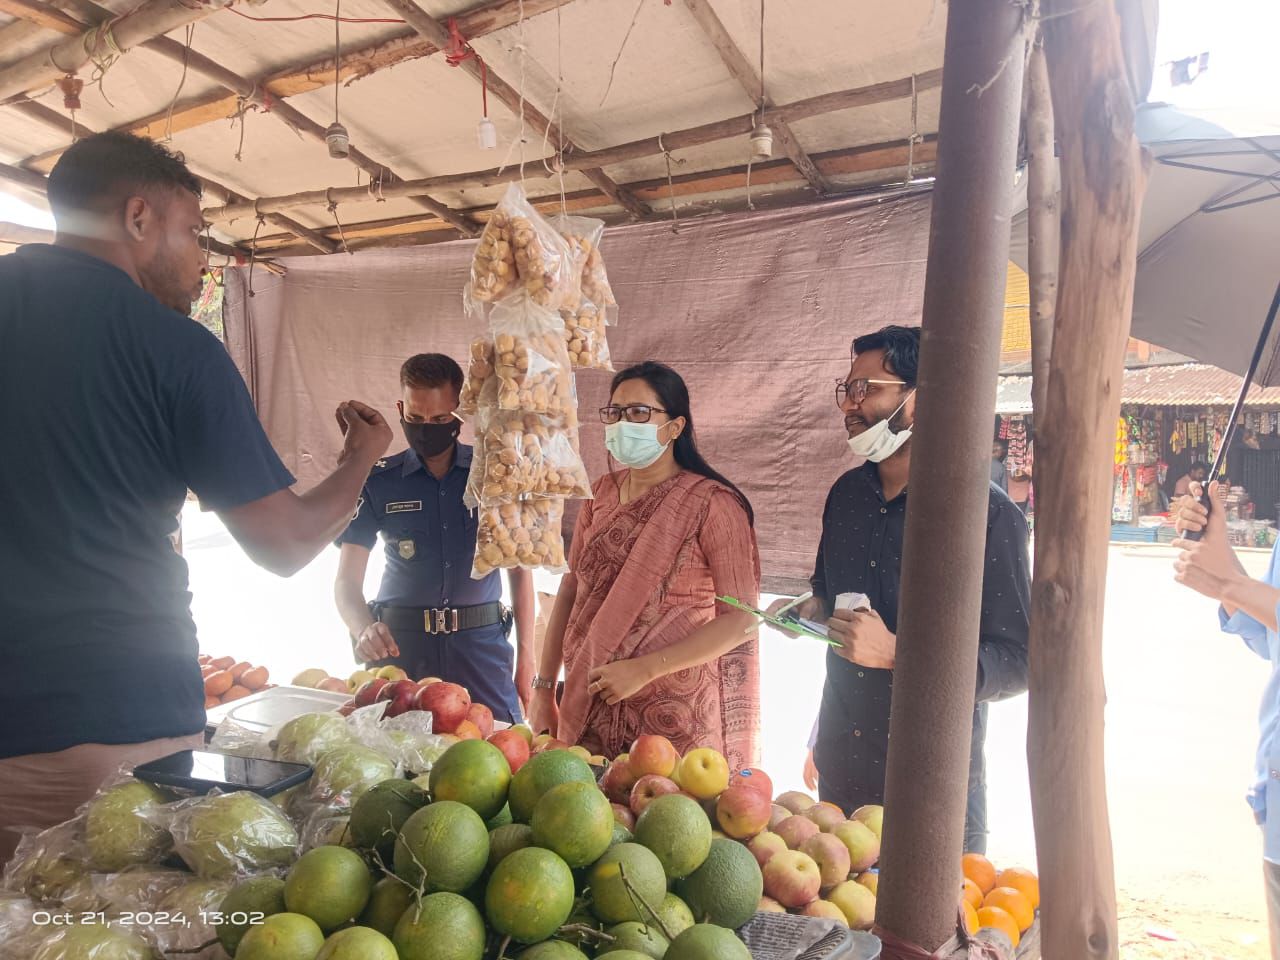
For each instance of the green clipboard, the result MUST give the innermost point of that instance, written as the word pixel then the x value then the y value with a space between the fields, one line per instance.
pixel 789 625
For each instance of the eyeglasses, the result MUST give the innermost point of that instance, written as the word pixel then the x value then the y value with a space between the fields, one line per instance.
pixel 632 412
pixel 856 389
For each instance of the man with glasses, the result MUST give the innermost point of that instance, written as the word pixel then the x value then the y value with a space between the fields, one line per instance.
pixel 431 618
pixel 863 526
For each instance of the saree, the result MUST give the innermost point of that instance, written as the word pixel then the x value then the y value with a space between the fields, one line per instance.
pixel 648 573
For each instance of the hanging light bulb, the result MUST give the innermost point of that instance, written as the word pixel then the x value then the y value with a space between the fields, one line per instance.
pixel 761 141
pixel 338 141
pixel 486 134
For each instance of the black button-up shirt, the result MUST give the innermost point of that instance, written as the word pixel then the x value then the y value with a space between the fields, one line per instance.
pixel 861 551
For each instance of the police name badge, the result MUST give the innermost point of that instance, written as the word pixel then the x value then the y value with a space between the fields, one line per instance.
pixel 404 506
pixel 407 549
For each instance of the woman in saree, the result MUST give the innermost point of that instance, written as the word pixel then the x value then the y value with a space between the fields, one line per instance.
pixel 645 645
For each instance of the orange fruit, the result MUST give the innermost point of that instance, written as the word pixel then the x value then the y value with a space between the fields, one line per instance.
pixel 254 679
pixel 239 670
pixel 970 917
pixel 979 869
pixel 1023 881
pixel 1000 920
pixel 236 692
pixel 971 893
pixel 216 684
pixel 1012 902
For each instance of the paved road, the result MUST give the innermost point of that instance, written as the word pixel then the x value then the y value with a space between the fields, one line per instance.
pixel 1181 713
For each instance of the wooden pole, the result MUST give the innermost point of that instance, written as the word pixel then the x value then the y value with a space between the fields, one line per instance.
pixel 648 147
pixel 152 19
pixel 1103 179
pixel 1044 223
pixel 943 559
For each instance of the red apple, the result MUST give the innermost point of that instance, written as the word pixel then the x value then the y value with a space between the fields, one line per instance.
pixel 795 801
pixel 347 709
pixel 648 788
pixel 826 815
pixel 447 703
pixel 792 878
pixel 623 816
pixel 756 779
pixel 777 815
pixel 333 685
pixel 482 717
pixel 832 857
pixel 743 811
pixel 764 845
pixel 513 746
pixel 651 754
pixel 796 830
pixel 617 781
pixel 400 697
pixel 368 692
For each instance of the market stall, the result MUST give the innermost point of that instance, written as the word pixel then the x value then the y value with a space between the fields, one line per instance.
pixel 407 782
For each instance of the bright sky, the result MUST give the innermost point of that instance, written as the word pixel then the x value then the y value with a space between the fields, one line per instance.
pixel 1239 35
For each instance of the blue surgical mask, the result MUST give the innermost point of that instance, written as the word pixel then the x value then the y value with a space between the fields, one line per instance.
pixel 634 445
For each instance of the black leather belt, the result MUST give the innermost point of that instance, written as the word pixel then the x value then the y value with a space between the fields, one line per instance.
pixel 442 620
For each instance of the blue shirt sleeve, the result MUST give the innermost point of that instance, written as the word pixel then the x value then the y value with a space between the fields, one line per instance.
pixel 223 453
pixel 363 529
pixel 1251 631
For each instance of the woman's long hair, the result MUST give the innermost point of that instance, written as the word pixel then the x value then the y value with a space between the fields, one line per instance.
pixel 674 397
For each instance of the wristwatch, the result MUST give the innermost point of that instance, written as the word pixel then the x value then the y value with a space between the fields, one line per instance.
pixel 541 684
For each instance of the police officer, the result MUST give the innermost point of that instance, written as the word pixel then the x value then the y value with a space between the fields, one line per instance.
pixel 431 618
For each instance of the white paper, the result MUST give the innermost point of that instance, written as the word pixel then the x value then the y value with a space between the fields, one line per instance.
pixel 853 601
pixel 819 628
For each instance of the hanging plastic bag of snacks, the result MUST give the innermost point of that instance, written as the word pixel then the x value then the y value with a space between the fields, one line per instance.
pixel 523 534
pixel 520 251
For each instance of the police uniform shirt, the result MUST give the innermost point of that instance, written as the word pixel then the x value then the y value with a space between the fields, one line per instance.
pixel 429 534
pixel 116 405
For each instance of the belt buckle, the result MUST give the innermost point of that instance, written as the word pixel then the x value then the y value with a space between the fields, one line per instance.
pixel 445 620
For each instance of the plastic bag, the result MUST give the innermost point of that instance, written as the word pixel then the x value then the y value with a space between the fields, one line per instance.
pixel 138 889
pixel 120 829
pixel 524 534
pixel 585 338
pixel 195 901
pixel 479 375
pixel 47 865
pixel 327 826
pixel 224 836
pixel 19 933
pixel 530 360
pixel 520 251
pixel 525 455
pixel 92 941
pixel 583 234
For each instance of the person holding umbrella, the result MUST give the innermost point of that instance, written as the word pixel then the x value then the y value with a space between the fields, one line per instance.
pixel 1249 609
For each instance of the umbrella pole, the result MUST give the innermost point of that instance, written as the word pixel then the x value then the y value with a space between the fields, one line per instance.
pixel 1103 180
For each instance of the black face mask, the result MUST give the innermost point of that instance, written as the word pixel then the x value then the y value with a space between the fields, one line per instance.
pixel 431 439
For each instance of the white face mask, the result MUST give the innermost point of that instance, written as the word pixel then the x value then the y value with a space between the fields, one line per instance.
pixel 878 442
pixel 634 445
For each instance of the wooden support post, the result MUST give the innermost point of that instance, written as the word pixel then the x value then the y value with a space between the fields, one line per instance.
pixel 943 557
pixel 433 31
pixel 742 70
pixel 1103 179
pixel 623 153
pixel 1044 223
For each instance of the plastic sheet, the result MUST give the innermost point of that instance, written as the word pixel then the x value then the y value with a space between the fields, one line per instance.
pixel 224 836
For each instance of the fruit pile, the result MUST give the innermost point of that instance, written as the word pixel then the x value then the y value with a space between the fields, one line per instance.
pixel 317 679
pixel 1006 900
pixel 226 679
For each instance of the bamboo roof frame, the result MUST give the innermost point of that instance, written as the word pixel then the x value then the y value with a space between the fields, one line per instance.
pixel 425 36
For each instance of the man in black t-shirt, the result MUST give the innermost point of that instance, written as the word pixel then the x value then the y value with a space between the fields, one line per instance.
pixel 116 403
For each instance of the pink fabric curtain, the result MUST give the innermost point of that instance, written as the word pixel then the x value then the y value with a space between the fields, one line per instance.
pixel 755 310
